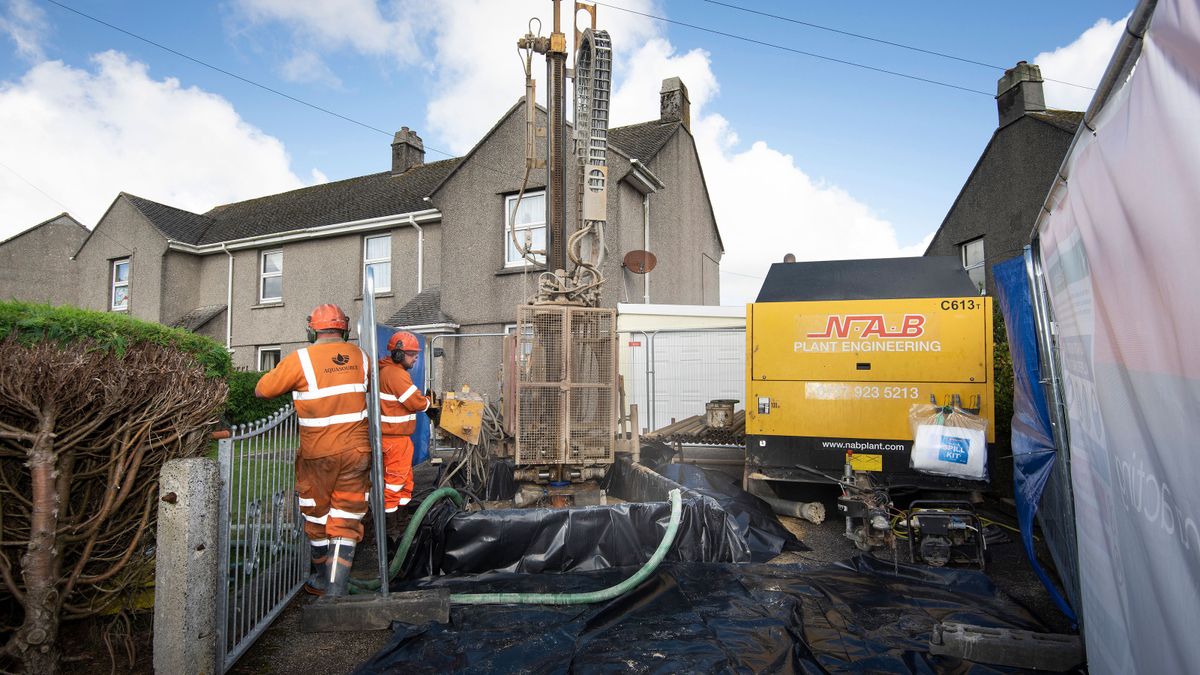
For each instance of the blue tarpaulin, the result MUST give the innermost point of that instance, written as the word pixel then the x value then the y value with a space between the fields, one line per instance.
pixel 420 437
pixel 1033 449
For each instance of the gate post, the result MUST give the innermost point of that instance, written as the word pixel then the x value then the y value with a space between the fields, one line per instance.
pixel 185 594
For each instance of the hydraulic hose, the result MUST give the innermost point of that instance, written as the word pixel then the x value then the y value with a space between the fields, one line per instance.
pixel 365 585
pixel 585 598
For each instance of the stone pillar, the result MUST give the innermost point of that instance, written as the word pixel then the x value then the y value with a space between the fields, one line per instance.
pixel 185 575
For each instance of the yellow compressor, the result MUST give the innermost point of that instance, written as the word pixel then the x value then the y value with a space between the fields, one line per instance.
pixel 838 351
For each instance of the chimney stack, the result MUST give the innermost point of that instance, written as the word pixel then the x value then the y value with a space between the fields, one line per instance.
pixel 407 151
pixel 1019 92
pixel 674 105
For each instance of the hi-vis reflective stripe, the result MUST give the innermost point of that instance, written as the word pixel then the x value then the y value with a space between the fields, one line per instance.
pixel 412 389
pixel 388 419
pixel 307 502
pixel 310 375
pixel 393 487
pixel 329 391
pixel 333 419
pixel 338 513
pixel 320 520
pixel 405 500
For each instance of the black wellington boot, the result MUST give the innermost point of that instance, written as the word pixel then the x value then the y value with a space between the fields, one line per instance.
pixel 318 580
pixel 341 559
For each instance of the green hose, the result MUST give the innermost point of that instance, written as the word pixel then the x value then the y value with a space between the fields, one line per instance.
pixel 365 585
pixel 585 598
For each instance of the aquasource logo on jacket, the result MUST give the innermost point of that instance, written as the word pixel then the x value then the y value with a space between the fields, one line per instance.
pixel 341 360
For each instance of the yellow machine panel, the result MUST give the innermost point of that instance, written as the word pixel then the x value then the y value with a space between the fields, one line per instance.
pixel 462 415
pixel 911 340
pixel 830 380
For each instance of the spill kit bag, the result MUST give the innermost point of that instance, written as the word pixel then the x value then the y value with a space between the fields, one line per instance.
pixel 948 441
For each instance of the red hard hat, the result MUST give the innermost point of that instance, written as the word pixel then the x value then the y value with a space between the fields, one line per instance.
pixel 328 317
pixel 404 341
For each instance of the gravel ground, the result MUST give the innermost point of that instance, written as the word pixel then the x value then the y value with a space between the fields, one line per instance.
pixel 284 648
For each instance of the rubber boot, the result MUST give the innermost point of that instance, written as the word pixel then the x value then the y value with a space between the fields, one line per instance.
pixel 341 559
pixel 318 579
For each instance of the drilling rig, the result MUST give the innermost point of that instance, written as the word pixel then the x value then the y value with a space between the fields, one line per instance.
pixel 561 364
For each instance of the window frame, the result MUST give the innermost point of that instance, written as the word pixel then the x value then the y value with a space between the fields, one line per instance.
pixel 263 275
pixel 367 262
pixel 258 359
pixel 509 228
pixel 113 284
pixel 981 265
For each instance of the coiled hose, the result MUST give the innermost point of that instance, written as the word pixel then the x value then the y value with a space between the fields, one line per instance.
pixel 585 598
pixel 366 585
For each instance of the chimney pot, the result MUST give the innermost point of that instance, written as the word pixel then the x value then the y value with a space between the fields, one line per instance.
pixel 1019 91
pixel 674 105
pixel 407 150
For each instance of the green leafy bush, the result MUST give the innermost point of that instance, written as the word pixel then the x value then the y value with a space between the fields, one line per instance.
pixel 109 331
pixel 243 407
pixel 1003 374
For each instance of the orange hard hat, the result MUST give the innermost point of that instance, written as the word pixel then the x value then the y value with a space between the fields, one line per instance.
pixel 328 317
pixel 404 341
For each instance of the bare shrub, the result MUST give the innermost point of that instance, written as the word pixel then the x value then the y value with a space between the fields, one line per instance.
pixel 84 430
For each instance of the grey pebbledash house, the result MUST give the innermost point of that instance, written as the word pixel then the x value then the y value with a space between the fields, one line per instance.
pixel 435 237
pixel 993 215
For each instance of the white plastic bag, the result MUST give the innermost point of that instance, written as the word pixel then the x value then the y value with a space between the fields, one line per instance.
pixel 948 441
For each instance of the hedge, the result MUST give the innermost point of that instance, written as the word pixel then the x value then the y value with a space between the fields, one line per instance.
pixel 110 331
pixel 243 407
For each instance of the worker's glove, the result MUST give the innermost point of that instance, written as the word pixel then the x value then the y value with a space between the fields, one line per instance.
pixel 435 414
pixel 434 401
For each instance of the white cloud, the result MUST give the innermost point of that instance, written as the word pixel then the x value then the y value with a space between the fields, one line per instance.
pixel 26 25
pixel 85 135
pixel 1081 62
pixel 308 66
pixel 388 31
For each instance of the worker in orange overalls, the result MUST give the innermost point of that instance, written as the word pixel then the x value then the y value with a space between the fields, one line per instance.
pixel 399 403
pixel 328 382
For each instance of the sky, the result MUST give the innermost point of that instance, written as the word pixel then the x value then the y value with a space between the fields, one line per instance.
pixel 803 152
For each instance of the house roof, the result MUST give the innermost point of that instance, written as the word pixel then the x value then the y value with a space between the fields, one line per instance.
pixel 425 309
pixel 196 318
pixel 64 214
pixel 642 141
pixel 343 201
pixel 174 223
pixel 353 199
pixel 1067 120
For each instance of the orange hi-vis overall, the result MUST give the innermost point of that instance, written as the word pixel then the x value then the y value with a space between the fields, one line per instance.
pixel 328 383
pixel 399 403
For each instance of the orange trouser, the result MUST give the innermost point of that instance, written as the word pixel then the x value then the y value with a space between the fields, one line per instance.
pixel 397 471
pixel 333 495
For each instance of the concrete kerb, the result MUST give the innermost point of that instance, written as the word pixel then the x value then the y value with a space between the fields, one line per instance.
pixel 185 600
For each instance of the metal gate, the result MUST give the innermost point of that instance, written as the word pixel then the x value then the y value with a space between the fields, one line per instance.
pixel 263 555
pixel 671 373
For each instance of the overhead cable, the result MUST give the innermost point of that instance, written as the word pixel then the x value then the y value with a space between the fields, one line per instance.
pixel 793 50
pixel 901 45
pixel 253 83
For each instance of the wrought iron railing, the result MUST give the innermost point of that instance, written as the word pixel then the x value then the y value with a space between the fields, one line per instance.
pixel 263 552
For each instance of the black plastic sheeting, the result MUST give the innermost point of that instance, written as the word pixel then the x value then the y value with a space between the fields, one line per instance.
pixel 720 523
pixel 856 616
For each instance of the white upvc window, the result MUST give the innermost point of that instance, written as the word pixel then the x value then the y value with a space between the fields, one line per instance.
pixel 377 261
pixel 527 221
pixel 270 276
pixel 119 296
pixel 975 262
pixel 268 357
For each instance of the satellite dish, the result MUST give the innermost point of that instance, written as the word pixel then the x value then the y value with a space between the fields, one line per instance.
pixel 639 262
